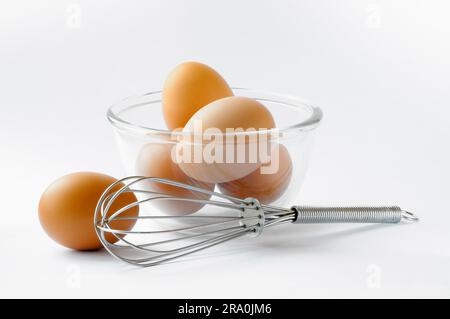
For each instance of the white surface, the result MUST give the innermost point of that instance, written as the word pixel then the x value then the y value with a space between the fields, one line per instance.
pixel 379 69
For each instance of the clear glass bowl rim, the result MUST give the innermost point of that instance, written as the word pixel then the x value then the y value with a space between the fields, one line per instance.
pixel 310 123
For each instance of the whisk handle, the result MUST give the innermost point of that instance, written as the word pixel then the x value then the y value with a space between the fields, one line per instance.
pixel 362 214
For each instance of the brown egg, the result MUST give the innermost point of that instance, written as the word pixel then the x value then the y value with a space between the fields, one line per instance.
pixel 189 87
pixel 66 209
pixel 155 160
pixel 218 117
pixel 267 188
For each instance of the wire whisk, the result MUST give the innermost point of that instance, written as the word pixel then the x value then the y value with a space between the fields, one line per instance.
pixel 149 243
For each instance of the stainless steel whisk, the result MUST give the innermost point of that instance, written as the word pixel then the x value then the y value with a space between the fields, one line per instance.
pixel 150 247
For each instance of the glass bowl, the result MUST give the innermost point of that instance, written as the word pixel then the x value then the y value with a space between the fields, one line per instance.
pixel 138 121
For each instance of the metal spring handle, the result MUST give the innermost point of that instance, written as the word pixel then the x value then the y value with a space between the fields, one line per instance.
pixel 382 214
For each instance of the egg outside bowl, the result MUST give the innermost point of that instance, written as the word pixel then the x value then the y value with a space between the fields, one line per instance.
pixel 138 121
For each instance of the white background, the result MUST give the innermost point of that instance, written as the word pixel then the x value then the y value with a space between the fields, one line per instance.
pixel 379 69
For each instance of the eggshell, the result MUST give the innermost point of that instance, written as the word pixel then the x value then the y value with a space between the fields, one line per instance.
pixel 267 188
pixel 227 113
pixel 189 87
pixel 67 207
pixel 154 160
